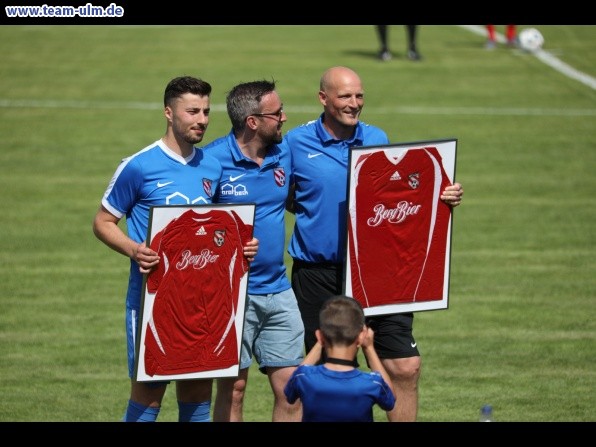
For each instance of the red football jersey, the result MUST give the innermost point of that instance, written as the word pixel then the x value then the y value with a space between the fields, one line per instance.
pixel 196 286
pixel 398 227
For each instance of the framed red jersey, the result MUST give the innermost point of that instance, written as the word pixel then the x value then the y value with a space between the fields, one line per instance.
pixel 192 309
pixel 398 245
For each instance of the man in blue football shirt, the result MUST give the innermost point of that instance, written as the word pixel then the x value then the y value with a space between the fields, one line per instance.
pixel 170 171
pixel 257 169
pixel 320 155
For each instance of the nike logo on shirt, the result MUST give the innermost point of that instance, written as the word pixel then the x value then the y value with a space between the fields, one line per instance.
pixel 233 179
pixel 314 155
pixel 161 185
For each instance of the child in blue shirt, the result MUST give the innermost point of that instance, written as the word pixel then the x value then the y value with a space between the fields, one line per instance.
pixel 336 391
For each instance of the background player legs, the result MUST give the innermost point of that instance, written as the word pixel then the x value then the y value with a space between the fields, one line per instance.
pixel 413 53
pixel 382 32
pixel 491 36
pixel 412 48
pixel 511 35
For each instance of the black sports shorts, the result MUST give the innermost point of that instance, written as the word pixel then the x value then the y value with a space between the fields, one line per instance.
pixel 313 283
pixel 393 335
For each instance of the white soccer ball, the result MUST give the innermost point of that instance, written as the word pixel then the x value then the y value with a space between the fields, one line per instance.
pixel 530 39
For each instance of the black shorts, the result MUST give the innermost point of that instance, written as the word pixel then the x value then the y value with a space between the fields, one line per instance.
pixel 393 335
pixel 313 283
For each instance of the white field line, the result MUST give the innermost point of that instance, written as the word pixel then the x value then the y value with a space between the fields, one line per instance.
pixel 545 57
pixel 309 110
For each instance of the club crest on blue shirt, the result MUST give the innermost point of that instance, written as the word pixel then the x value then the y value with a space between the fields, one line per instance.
pixel 207 186
pixel 280 176
pixel 219 237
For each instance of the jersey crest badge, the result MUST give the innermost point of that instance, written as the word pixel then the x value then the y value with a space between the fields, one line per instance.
pixel 280 176
pixel 414 180
pixel 219 237
pixel 207 183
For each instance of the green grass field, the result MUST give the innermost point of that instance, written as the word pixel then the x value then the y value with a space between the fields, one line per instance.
pixel 520 330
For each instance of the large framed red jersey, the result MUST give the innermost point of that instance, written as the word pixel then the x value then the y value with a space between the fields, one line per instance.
pixel 193 308
pixel 399 230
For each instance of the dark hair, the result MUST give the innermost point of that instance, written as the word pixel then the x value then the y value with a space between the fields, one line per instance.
pixel 245 99
pixel 185 84
pixel 341 320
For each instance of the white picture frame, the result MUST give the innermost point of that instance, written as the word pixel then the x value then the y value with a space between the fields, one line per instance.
pixel 398 246
pixel 214 340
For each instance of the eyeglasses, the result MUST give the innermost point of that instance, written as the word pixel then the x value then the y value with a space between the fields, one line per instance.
pixel 277 114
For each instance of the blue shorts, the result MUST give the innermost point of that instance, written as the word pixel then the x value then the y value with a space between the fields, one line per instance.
pixel 273 331
pixel 132 324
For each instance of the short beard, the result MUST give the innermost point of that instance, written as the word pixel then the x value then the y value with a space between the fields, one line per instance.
pixel 192 139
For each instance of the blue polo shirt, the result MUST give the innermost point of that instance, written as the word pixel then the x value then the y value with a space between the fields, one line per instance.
pixel 267 186
pixel 320 170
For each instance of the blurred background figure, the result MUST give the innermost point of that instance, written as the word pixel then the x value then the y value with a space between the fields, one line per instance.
pixel 510 35
pixel 411 34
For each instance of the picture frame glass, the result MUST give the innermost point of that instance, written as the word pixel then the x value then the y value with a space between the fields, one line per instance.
pixel 398 246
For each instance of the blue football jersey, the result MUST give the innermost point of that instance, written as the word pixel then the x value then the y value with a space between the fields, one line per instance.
pixel 156 176
pixel 338 396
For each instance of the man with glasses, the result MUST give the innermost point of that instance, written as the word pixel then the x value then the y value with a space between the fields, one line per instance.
pixel 257 169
